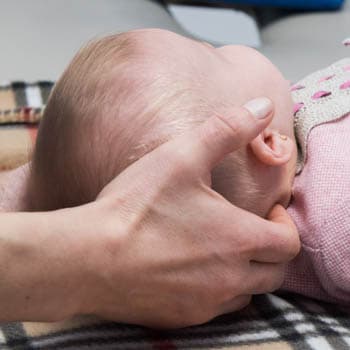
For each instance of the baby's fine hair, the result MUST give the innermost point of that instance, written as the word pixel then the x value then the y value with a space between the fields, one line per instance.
pixel 113 104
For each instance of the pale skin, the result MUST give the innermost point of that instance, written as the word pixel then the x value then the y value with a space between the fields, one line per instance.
pixel 226 76
pixel 163 250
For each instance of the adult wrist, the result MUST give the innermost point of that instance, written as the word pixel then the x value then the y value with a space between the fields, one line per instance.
pixel 39 267
pixel 100 246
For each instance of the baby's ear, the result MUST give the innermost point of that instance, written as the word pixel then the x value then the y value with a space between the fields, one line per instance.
pixel 272 148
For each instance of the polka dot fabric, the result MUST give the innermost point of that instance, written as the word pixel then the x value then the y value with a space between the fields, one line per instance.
pixel 321 97
pixel 320 206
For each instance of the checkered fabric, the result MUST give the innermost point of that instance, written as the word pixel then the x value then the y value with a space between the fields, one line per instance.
pixel 21 108
pixel 22 102
pixel 271 322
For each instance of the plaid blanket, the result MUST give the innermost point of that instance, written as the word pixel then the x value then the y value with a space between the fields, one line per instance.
pixel 271 322
pixel 21 108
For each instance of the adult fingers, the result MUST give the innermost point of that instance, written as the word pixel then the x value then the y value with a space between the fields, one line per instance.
pixel 235 304
pixel 277 241
pixel 261 278
pixel 264 278
pixel 207 145
pixel 200 149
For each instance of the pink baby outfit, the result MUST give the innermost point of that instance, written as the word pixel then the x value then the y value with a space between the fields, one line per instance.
pixel 320 205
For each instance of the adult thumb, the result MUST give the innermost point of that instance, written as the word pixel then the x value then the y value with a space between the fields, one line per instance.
pixel 206 145
pixel 201 148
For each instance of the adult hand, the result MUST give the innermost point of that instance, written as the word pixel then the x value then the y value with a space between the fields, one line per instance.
pixel 172 252
pixel 157 248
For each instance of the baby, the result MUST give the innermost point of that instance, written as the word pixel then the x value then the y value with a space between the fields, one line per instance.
pixel 124 95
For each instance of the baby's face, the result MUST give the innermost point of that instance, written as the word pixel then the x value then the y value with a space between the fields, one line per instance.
pixel 230 76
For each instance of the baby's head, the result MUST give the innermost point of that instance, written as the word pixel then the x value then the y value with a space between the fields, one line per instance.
pixel 124 95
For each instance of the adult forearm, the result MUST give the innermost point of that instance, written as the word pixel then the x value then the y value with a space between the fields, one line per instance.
pixel 39 271
pixel 13 189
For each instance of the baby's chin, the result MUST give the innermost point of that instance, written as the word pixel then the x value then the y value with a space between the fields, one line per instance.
pixel 269 198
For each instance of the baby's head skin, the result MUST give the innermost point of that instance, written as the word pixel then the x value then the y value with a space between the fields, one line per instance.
pixel 124 95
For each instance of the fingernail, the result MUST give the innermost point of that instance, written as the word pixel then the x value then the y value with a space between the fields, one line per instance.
pixel 259 107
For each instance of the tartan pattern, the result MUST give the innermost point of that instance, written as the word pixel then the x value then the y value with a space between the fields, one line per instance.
pixel 271 322
pixel 22 102
pixel 21 108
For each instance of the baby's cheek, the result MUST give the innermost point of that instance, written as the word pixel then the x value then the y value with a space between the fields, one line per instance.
pixel 223 181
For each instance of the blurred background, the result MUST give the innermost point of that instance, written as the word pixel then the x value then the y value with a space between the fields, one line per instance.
pixel 39 37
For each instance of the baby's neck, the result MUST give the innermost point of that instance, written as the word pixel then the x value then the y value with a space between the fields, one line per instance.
pixel 13 186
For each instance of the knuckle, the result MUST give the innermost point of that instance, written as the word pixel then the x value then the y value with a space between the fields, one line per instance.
pixel 196 317
pixel 185 316
pixel 231 125
pixel 220 130
pixel 227 287
pixel 295 247
pixel 201 318
pixel 270 280
pixel 245 301
pixel 243 113
pixel 291 247
pixel 205 309
pixel 263 285
pixel 247 247
pixel 276 281
pixel 230 289
pixel 181 164
pixel 287 246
